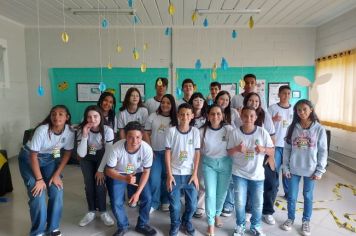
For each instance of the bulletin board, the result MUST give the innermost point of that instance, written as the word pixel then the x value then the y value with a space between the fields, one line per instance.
pixel 202 77
pixel 64 84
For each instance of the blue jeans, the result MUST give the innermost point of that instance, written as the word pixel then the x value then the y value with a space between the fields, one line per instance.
pixel 217 175
pixel 43 218
pixel 229 203
pixel 116 189
pixel 278 158
pixel 157 180
pixel 241 186
pixel 191 196
pixel 308 188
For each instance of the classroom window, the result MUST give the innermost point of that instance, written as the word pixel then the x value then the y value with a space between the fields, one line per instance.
pixel 4 66
pixel 337 98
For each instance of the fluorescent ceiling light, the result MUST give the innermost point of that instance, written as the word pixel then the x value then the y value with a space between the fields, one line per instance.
pixel 96 11
pixel 230 12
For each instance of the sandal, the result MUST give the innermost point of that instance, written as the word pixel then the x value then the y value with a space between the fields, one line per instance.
pixel 218 223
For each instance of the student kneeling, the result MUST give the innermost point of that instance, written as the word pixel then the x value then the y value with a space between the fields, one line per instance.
pixel 128 163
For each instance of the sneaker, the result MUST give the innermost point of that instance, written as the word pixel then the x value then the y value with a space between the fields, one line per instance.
pixel 239 230
pixel 269 219
pixel 173 231
pixel 56 233
pixel 133 205
pixel 188 229
pixel 226 212
pixel 198 213
pixel 152 210
pixel 120 232
pixel 287 225
pixel 89 217
pixel 248 217
pixel 257 231
pixel 165 207
pixel 306 228
pixel 107 219
pixel 146 230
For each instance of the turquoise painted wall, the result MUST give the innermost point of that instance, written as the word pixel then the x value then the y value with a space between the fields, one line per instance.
pixel 202 77
pixel 112 78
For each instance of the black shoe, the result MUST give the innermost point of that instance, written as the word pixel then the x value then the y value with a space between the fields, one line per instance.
pixel 188 229
pixel 226 213
pixel 146 230
pixel 120 232
pixel 56 233
pixel 198 215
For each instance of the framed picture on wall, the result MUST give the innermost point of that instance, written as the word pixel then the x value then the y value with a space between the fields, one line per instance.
pixel 230 87
pixel 88 92
pixel 125 86
pixel 273 92
pixel 295 94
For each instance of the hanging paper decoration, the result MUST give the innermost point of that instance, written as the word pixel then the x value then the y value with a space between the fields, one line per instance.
pixel 206 23
pixel 224 65
pixel 214 75
pixel 197 64
pixel 102 86
pixel 143 67
pixel 118 48
pixel 171 9
pixel 242 83
pixel 110 90
pixel 168 31
pixel 65 37
pixel 136 55
pixel 179 91
pixel 145 46
pixel 234 34
pixel 251 23
pixel 195 16
pixel 159 82
pixel 104 23
pixel 130 3
pixel 135 19
pixel 195 88
pixel 215 66
pixel 109 66
pixel 40 91
pixel 62 86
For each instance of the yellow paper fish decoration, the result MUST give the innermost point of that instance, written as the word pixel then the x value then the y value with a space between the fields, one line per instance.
pixel 242 83
pixel 171 9
pixel 63 86
pixel 143 67
pixel 65 37
pixel 214 75
pixel 194 16
pixel 251 23
pixel 136 55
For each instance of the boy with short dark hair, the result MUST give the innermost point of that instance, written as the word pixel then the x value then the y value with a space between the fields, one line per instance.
pixel 188 90
pixel 215 88
pixel 182 161
pixel 152 104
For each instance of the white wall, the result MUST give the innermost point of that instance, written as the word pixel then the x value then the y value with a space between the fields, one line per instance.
pixel 332 37
pixel 14 106
pixel 258 47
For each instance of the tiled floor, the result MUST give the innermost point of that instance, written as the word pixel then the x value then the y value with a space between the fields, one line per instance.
pixel 14 215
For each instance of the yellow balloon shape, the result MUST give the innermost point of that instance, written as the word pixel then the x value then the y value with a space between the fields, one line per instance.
pixel 194 16
pixel 242 83
pixel 118 48
pixel 159 82
pixel 195 88
pixel 143 67
pixel 215 66
pixel 171 9
pixel 136 55
pixel 214 75
pixel 251 23
pixel 109 66
pixel 145 46
pixel 65 37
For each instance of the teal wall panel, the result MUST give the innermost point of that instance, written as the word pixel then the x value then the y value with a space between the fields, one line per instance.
pixel 112 78
pixel 202 77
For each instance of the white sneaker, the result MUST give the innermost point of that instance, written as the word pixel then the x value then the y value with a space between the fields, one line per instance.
pixel 239 231
pixel 257 232
pixel 152 210
pixel 107 219
pixel 165 207
pixel 306 228
pixel 269 219
pixel 248 217
pixel 287 225
pixel 89 217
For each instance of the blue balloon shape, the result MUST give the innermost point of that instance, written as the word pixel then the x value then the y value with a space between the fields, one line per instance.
pixel 168 31
pixel 130 3
pixel 234 34
pixel 104 23
pixel 206 23
pixel 102 86
pixel 135 19
pixel 198 64
pixel 40 91
pixel 179 91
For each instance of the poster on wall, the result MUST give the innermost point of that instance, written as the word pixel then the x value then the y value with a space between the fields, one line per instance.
pixel 229 87
pixel 125 86
pixel 260 88
pixel 273 92
pixel 88 92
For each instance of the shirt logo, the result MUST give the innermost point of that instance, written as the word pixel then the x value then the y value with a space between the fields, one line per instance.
pixel 250 154
pixel 130 168
pixel 190 141
pixel 183 155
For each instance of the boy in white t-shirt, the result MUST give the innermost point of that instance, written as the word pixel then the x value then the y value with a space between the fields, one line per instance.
pixel 182 161
pixel 248 146
pixel 128 165
pixel 188 90
pixel 152 104
pixel 282 116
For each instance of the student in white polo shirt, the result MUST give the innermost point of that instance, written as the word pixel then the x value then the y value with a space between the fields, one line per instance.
pixel 128 165
pixel 152 104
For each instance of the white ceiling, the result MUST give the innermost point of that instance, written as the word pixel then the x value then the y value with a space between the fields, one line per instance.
pixel 274 13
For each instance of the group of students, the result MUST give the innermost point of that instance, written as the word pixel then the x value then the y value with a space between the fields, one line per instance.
pixel 220 157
